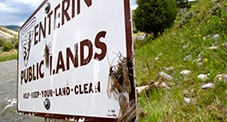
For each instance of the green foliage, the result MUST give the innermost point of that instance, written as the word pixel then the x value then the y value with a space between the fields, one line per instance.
pixel 1 42
pixel 195 37
pixel 154 16
pixel 15 42
pixel 8 44
pixel 10 56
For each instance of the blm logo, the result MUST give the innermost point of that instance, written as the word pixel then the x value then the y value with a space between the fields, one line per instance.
pixel 27 37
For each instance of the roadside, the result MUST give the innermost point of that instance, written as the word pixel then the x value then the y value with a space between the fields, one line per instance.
pixel 8 55
pixel 8 95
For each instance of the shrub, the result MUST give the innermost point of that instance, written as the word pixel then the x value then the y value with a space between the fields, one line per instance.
pixel 7 46
pixel 154 16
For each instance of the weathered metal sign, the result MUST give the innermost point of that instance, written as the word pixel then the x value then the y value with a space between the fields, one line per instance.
pixel 75 61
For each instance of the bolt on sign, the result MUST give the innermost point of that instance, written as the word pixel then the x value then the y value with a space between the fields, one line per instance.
pixel 75 61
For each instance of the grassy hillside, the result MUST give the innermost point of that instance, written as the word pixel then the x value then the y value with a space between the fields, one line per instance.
pixel 8 43
pixel 7 33
pixel 172 66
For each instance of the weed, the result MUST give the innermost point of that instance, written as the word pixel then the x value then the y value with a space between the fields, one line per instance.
pixel 203 30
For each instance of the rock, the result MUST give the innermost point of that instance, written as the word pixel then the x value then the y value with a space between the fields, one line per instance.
pixel 187 100
pixel 185 72
pixel 208 85
pixel 166 76
pixel 215 37
pixel 140 89
pixel 188 57
pixel 221 77
pixel 213 47
pixel 169 68
pixel 162 85
pixel 203 76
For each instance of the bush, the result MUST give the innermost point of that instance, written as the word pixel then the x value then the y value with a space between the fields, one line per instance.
pixel 154 16
pixel 7 46
pixel 1 42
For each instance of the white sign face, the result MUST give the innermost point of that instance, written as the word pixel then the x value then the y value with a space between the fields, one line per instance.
pixel 75 61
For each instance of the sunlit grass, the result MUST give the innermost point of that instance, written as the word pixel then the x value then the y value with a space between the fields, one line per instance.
pixel 194 39
pixel 8 55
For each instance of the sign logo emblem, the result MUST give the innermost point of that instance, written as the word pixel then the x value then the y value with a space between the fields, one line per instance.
pixel 27 37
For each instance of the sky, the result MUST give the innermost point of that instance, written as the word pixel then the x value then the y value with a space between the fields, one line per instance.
pixel 16 12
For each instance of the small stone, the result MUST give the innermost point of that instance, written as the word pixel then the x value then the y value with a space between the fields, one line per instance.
pixel 215 37
pixel 140 89
pixel 162 85
pixel 213 47
pixel 187 100
pixel 203 76
pixel 208 85
pixel 188 57
pixel 221 77
pixel 166 76
pixel 185 72
pixel 169 68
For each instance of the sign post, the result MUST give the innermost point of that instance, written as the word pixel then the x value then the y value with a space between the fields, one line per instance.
pixel 75 61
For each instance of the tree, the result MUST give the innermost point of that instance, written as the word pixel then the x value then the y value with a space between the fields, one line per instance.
pixel 153 16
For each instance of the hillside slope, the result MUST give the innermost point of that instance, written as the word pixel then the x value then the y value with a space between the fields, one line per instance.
pixel 186 67
pixel 6 33
pixel 8 43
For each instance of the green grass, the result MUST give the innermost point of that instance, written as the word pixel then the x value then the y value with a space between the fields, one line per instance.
pixel 8 56
pixel 169 50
